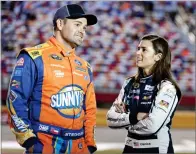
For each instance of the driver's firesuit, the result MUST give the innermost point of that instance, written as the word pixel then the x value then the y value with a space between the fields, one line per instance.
pixel 51 100
pixel 151 134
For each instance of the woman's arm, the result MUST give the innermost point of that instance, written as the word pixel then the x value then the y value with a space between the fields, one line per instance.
pixel 117 116
pixel 161 113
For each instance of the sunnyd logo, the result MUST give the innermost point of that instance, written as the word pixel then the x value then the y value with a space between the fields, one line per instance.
pixel 68 101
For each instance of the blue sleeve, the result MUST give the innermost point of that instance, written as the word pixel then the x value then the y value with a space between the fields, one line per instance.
pixel 20 89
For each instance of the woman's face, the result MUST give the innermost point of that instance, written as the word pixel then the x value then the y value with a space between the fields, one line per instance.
pixel 145 56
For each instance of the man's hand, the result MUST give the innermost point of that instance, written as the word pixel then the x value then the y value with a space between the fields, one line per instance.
pixel 30 150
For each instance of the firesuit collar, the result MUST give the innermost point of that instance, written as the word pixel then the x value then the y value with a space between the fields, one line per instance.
pixel 63 50
pixel 146 77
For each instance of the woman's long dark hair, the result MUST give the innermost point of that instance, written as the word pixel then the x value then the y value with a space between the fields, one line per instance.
pixel 162 68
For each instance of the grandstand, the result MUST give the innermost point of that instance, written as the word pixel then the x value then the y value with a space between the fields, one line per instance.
pixel 111 44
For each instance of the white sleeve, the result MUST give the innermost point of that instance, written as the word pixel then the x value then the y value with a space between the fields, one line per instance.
pixel 115 119
pixel 161 113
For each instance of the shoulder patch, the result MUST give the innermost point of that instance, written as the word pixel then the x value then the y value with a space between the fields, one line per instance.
pixel 35 53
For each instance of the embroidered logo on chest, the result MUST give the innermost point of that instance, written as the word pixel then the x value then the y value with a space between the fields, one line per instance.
pixel 149 88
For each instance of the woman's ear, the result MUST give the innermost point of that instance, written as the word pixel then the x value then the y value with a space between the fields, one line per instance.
pixel 158 56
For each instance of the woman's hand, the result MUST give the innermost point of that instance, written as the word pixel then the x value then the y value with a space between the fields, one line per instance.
pixel 141 115
pixel 120 107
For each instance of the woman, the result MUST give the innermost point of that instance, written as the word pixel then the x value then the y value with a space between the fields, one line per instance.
pixel 148 100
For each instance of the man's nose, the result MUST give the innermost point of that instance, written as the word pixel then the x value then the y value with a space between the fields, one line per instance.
pixel 81 30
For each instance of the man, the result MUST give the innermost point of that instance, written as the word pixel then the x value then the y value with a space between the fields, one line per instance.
pixel 51 99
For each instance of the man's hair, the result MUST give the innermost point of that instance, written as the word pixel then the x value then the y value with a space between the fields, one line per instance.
pixel 55 25
pixel 162 68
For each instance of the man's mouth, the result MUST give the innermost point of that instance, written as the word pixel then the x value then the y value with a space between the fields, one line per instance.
pixel 81 36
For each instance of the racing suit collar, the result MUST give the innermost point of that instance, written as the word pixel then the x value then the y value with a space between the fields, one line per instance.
pixel 146 77
pixel 62 49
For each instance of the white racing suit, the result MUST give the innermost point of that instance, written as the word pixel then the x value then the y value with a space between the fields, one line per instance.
pixel 152 133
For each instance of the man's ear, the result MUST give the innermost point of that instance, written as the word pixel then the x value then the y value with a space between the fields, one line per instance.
pixel 59 24
pixel 158 56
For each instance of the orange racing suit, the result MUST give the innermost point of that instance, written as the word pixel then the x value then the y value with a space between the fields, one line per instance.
pixel 51 100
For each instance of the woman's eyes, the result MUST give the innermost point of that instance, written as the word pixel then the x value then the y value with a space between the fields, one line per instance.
pixel 143 49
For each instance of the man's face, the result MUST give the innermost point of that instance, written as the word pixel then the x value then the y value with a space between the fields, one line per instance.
pixel 74 31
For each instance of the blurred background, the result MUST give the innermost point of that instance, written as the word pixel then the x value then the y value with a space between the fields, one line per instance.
pixel 110 48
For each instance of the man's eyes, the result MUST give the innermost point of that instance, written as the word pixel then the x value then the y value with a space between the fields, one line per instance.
pixel 85 28
pixel 77 25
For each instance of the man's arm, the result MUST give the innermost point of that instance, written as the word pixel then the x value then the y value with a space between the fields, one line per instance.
pixel 165 104
pixel 90 114
pixel 20 88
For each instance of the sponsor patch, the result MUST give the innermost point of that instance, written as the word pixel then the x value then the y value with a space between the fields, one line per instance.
pixel 77 73
pixel 74 134
pixel 59 73
pixel 142 81
pixel 20 125
pixel 20 62
pixel 18 72
pixel 146 102
pixel 164 103
pixel 137 91
pixel 147 97
pixel 78 62
pixel 136 143
pixel 167 96
pixel 148 93
pixel 56 57
pixel 12 96
pixel 55 131
pixel 86 77
pixel 136 97
pixel 136 85
pixel 80 145
pixel 15 83
pixel 68 101
pixel 80 69
pixel 57 65
pixel 43 128
pixel 116 119
pixel 149 88
pixel 35 54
